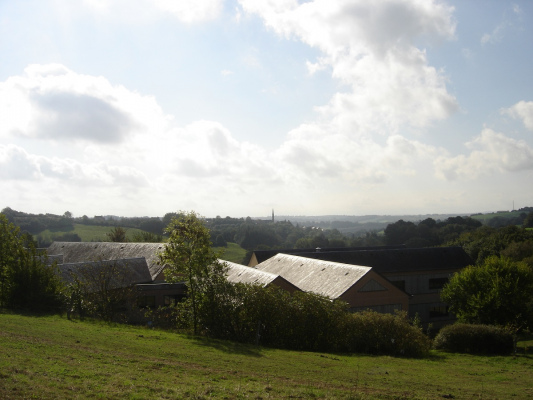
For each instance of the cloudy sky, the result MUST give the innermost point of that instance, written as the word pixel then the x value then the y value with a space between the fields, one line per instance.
pixel 237 107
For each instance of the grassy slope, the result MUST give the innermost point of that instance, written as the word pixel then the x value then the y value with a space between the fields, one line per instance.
pixel 90 233
pixel 51 357
pixel 233 252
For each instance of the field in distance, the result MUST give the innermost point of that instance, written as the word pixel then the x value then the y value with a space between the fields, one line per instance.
pixel 52 357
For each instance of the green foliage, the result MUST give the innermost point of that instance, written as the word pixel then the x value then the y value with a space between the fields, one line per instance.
pixel 497 292
pixel 528 221
pixel 428 232
pixel 117 234
pixel 146 237
pixel 374 333
pixel 475 339
pixel 26 282
pixel 190 258
pixel 485 241
pixel 302 321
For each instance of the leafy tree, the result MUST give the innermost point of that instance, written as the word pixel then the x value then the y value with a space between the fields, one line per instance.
pixel 498 293
pixel 146 237
pixel 528 221
pixel 117 234
pixel 26 281
pixel 190 258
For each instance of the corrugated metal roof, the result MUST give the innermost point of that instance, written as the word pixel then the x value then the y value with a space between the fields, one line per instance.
pixel 238 273
pixel 127 272
pixel 327 278
pixel 75 252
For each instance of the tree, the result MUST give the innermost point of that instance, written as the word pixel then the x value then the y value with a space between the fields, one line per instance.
pixel 528 221
pixel 102 289
pixel 498 293
pixel 26 281
pixel 190 258
pixel 117 234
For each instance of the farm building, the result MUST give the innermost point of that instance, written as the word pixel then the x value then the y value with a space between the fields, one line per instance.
pixel 419 272
pixel 76 252
pixel 241 274
pixel 359 286
pixel 139 266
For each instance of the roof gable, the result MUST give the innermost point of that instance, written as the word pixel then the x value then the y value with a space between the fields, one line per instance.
pixel 326 278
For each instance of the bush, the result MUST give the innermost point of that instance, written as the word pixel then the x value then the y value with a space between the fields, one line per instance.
pixel 374 333
pixel 474 339
pixel 304 321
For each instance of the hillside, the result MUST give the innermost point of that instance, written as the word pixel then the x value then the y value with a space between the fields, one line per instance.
pixel 52 357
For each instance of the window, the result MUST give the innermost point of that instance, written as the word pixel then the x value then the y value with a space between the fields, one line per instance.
pixel 437 283
pixel 439 311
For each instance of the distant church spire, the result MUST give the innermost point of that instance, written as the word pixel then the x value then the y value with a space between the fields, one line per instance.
pixel 272 215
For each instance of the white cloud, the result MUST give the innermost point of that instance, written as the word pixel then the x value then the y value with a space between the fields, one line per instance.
pixel 50 102
pixel 491 152
pixel 369 47
pixel 522 110
pixel 16 164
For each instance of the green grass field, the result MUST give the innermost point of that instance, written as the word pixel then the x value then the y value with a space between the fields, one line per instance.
pixel 89 233
pixel 54 358
pixel 233 252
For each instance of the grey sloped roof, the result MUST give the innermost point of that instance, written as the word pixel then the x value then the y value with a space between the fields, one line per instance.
pixel 327 278
pixel 387 260
pixel 120 273
pixel 76 252
pixel 240 274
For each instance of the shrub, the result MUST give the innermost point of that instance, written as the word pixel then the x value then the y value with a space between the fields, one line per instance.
pixel 475 339
pixel 374 333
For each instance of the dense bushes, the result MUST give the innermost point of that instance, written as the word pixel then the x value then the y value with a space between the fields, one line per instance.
pixel 475 339
pixel 302 321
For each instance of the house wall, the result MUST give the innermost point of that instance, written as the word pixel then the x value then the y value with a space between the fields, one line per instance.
pixel 425 302
pixel 387 300
pixel 160 295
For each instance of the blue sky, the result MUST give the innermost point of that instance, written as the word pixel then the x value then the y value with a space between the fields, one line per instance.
pixel 237 107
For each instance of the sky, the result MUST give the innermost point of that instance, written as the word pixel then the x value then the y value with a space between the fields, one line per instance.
pixel 238 107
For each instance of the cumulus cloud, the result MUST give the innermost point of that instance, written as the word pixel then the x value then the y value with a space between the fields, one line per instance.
pixel 369 47
pixel 490 152
pixel 17 164
pixel 54 103
pixel 208 149
pixel 522 110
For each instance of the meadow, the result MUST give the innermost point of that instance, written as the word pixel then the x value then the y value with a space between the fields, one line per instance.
pixel 51 357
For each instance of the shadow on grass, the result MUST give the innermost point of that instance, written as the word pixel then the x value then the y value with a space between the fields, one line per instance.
pixel 228 347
